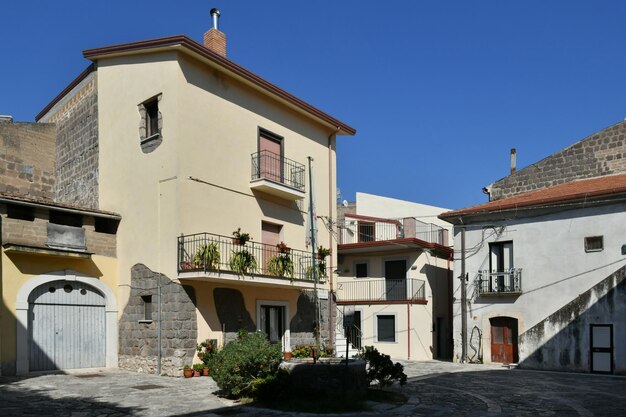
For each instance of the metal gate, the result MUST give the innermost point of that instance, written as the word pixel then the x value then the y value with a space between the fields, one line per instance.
pixel 602 348
pixel 66 326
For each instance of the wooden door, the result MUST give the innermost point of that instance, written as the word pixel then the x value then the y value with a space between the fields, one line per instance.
pixel 270 155
pixel 270 236
pixel 504 340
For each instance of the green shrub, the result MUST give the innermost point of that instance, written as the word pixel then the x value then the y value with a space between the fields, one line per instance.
pixel 242 362
pixel 272 388
pixel 304 351
pixel 380 368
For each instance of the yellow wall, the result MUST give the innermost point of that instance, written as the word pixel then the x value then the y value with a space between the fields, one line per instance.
pixel 210 129
pixel 18 268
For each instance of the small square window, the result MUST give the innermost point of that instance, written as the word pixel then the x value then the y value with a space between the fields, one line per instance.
pixel 386 326
pixel 361 270
pixel 594 243
pixel 147 308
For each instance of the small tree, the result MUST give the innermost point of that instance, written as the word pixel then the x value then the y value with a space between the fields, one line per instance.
pixel 242 361
pixel 380 368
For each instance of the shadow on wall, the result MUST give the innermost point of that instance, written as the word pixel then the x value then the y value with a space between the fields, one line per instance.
pixel 231 312
pixel 560 343
pixel 138 337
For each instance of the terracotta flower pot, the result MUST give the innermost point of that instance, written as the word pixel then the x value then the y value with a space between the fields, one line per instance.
pixel 205 371
pixel 287 356
pixel 196 373
pixel 188 373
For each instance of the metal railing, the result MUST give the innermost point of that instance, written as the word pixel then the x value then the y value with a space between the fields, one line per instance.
pixel 355 230
pixel 381 290
pixel 499 282
pixel 209 252
pixel 270 166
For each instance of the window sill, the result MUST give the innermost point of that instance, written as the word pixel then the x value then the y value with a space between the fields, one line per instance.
pixel 150 138
pixel 145 321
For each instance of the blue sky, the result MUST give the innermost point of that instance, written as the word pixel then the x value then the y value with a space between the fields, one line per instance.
pixel 439 91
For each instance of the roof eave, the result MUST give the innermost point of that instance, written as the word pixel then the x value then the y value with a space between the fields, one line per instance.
pixel 187 45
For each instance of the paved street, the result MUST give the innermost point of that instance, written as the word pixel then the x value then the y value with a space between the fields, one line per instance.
pixel 434 388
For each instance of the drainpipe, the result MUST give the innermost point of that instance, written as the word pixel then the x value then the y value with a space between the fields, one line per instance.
pixel 463 301
pixel 331 267
pixel 408 344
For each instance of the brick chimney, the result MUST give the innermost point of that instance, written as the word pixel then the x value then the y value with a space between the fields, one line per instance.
pixel 213 38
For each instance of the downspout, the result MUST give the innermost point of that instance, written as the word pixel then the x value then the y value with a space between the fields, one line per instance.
pixel 332 199
pixel 408 316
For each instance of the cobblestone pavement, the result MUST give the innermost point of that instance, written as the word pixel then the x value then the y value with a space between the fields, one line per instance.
pixel 434 389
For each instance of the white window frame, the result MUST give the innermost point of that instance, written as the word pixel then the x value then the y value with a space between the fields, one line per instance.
pixel 286 339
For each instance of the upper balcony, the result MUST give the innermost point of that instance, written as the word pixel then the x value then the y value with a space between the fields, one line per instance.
pixel 507 282
pixel 381 291
pixel 223 258
pixel 373 233
pixel 274 174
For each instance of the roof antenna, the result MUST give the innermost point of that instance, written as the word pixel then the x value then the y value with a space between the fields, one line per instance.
pixel 215 13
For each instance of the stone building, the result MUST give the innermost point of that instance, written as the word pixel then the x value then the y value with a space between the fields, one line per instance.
pixel 545 262
pixel 59 270
pixel 188 147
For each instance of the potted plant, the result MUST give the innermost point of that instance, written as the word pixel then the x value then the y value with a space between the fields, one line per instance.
pixel 207 256
pixel 281 265
pixel 322 253
pixel 197 369
pixel 283 248
pixel 206 349
pixel 187 371
pixel 240 238
pixel 242 262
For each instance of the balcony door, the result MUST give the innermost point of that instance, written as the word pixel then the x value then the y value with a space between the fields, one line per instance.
pixel 395 280
pixel 501 263
pixel 270 157
pixel 270 237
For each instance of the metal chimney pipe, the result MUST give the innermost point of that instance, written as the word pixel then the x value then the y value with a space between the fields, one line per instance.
pixel 215 13
pixel 513 160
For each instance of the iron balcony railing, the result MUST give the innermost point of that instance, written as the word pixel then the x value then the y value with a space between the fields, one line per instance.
pixel 360 229
pixel 382 290
pixel 499 282
pixel 209 252
pixel 270 166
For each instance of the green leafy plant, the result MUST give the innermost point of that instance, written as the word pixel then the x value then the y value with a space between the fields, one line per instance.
pixel 198 367
pixel 281 265
pixel 207 256
pixel 323 252
pixel 248 358
pixel 321 271
pixel 241 238
pixel 242 262
pixel 206 351
pixel 380 368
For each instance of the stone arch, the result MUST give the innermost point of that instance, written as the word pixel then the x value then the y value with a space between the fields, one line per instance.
pixel 21 313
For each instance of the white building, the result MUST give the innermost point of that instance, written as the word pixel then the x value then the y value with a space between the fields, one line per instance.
pixel 394 278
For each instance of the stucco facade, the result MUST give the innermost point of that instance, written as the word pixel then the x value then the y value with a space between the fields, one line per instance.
pixel 180 133
pixel 395 278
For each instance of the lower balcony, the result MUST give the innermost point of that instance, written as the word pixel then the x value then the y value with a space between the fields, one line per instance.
pixel 382 291
pixel 507 282
pixel 207 255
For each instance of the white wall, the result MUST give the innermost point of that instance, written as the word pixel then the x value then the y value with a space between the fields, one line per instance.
pixel 556 269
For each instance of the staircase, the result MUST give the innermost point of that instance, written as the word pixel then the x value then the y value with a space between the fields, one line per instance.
pixel 340 337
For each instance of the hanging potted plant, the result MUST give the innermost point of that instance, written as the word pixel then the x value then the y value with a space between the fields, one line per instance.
pixel 322 253
pixel 242 262
pixel 207 256
pixel 281 265
pixel 240 238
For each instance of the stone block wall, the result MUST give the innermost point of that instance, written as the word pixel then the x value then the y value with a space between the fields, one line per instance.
pixel 26 159
pixel 76 117
pixel 179 331
pixel 603 153
pixel 24 232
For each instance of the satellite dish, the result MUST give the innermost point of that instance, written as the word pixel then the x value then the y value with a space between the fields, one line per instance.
pixel 344 203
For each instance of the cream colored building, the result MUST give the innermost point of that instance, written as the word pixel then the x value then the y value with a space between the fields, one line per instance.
pixel 394 284
pixel 191 147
